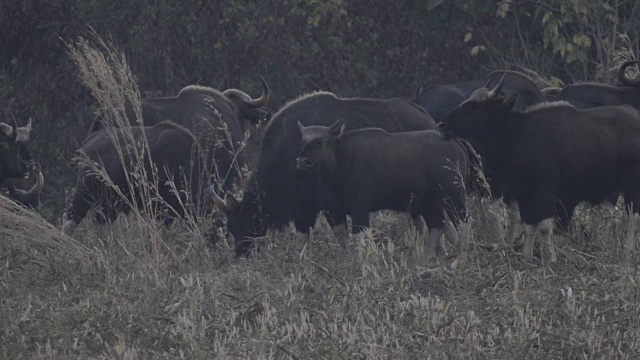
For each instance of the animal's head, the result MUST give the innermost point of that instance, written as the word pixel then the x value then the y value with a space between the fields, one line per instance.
pixel 15 158
pixel 244 221
pixel 475 116
pixel 251 110
pixel 316 143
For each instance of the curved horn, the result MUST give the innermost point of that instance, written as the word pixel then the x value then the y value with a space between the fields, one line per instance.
pixel 217 200
pixel 31 197
pixel 14 132
pixel 37 187
pixel 496 90
pixel 29 125
pixel 264 98
pixel 622 77
pixel 254 103
pixel 490 78
pixel 6 128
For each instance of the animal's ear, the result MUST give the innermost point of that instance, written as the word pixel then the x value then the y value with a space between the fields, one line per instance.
pixel 337 128
pixel 300 126
pixel 509 101
pixel 419 90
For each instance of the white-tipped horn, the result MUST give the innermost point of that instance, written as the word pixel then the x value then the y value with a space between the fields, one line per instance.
pixel 496 90
pixel 245 98
pixel 6 128
pixel 217 200
pixel 39 185
pixel 29 124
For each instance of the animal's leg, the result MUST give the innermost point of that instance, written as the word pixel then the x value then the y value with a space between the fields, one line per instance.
pixel 536 208
pixel 432 241
pixel 546 232
pixel 339 225
pixel 529 240
pixel 433 214
pixel 492 219
pixel 359 220
pixel 359 223
pixel 454 213
pixel 477 202
pixel 451 233
pixel 631 190
pixel 79 207
pixel 303 223
pixel 420 225
pixel 513 228
pixel 631 232
pixel 465 235
pixel 564 213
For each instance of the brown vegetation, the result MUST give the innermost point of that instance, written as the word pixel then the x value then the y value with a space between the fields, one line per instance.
pixel 136 289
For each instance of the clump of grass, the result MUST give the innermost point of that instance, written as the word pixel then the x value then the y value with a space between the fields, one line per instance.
pixel 22 227
pixel 317 300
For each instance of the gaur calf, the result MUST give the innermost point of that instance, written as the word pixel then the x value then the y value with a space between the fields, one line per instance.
pixel 419 172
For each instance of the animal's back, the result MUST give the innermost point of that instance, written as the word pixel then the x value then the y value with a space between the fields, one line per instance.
pixel 582 149
pixel 399 164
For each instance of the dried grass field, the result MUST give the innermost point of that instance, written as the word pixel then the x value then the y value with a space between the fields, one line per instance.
pixel 108 294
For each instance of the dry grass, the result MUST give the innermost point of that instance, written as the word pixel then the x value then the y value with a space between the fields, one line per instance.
pixel 135 289
pixel 316 301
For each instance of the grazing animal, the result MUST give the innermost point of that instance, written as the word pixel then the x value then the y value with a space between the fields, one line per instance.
pixel 16 163
pixel 194 104
pixel 217 122
pixel 169 152
pixel 590 95
pixel 554 155
pixel 279 192
pixel 419 172
pixel 440 100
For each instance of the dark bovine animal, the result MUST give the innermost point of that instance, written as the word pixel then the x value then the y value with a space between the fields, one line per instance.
pixel 193 104
pixel 370 169
pixel 553 155
pixel 170 147
pixel 16 163
pixel 590 95
pixel 218 120
pixel 440 100
pixel 278 192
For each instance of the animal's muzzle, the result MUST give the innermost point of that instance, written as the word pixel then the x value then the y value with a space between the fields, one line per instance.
pixel 303 163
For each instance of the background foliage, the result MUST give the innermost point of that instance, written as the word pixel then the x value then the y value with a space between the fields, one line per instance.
pixel 354 48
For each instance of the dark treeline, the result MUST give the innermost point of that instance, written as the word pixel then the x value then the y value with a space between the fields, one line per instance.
pixel 353 48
